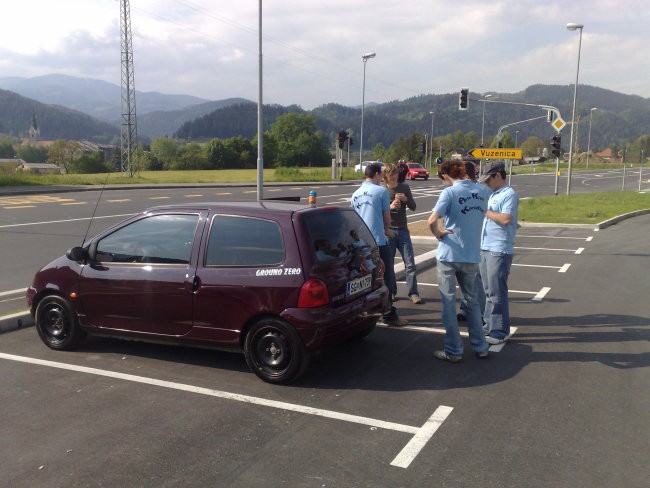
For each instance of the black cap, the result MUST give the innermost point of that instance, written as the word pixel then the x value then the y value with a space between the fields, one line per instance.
pixel 490 169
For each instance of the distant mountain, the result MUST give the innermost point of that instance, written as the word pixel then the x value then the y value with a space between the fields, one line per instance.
pixel 619 117
pixel 97 98
pixel 54 122
pixel 164 123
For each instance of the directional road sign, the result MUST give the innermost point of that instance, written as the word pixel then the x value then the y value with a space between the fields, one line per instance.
pixel 494 153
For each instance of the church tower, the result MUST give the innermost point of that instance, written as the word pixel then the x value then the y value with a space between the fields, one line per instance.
pixel 34 131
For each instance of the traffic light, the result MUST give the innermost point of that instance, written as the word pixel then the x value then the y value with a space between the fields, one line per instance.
pixel 351 141
pixel 500 145
pixel 463 99
pixel 556 143
pixel 550 116
pixel 424 148
pixel 343 136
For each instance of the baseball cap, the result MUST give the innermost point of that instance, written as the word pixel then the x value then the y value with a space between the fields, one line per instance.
pixel 492 168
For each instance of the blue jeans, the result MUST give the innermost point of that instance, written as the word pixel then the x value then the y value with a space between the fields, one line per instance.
pixel 495 269
pixel 386 256
pixel 480 297
pixel 465 275
pixel 402 241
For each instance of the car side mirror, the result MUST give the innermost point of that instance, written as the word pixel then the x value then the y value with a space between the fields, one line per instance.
pixel 77 253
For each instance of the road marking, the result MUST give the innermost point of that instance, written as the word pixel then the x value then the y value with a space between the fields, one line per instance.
pixel 73 203
pixel 119 201
pixel 551 249
pixel 250 191
pixel 193 196
pixel 420 439
pixel 12 292
pixel 403 460
pixel 11 299
pixel 19 206
pixel 557 237
pixel 159 198
pixel 541 294
pixel 63 221
pixel 274 189
pixel 561 269
pixel 224 193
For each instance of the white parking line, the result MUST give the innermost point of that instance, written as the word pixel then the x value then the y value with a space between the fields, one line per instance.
pixel 576 251
pixel 579 250
pixel 561 269
pixel 403 459
pixel 541 294
pixel 557 237
pixel 13 292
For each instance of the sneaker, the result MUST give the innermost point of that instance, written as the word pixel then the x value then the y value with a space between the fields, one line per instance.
pixel 460 317
pixel 415 298
pixel 394 298
pixel 486 331
pixel 494 341
pixel 482 355
pixel 443 356
pixel 395 322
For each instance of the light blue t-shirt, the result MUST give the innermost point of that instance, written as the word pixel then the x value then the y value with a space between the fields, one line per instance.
pixel 370 201
pixel 462 206
pixel 495 237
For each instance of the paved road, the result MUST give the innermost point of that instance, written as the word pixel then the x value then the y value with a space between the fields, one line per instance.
pixel 563 404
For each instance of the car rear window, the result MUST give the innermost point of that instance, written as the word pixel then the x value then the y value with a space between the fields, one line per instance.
pixel 338 233
pixel 244 241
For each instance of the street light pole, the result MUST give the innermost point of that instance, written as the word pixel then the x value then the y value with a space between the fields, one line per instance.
pixel 516 139
pixel 483 121
pixel 572 26
pixel 260 134
pixel 365 58
pixel 431 144
pixel 591 116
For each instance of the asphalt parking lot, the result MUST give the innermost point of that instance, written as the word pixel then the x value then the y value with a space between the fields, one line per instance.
pixel 564 403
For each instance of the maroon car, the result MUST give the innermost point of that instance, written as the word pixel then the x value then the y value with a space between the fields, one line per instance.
pixel 275 279
pixel 416 170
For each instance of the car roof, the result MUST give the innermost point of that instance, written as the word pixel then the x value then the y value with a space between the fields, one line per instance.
pixel 263 207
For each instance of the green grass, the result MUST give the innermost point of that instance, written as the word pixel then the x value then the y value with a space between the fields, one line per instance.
pixel 588 208
pixel 11 178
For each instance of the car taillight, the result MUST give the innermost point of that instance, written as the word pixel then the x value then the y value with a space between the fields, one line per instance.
pixel 313 294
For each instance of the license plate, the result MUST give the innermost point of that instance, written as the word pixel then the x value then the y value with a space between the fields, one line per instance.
pixel 359 285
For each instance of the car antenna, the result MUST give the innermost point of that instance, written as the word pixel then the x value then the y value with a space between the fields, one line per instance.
pixel 95 209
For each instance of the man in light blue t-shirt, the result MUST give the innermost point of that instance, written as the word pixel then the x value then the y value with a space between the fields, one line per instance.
pixel 462 206
pixel 497 246
pixel 371 202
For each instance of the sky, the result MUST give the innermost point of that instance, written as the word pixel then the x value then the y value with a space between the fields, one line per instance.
pixel 312 50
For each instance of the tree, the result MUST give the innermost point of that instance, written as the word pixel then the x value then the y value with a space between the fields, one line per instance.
pixel 7 148
pixel 63 153
pixel 298 142
pixel 165 150
pixel 219 155
pixel 532 146
pixel 379 151
pixel 89 163
pixel 191 156
pixel 409 148
pixel 32 154
pixel 243 149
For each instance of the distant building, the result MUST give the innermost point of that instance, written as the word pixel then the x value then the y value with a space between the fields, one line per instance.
pixel 10 163
pixel 608 155
pixel 40 168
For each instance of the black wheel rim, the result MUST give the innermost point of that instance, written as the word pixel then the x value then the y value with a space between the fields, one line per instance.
pixel 271 351
pixel 54 324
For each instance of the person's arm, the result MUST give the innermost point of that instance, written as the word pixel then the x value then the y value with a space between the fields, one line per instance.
pixel 503 219
pixel 410 201
pixel 387 230
pixel 436 229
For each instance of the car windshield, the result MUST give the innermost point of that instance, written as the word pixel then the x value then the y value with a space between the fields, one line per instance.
pixel 415 165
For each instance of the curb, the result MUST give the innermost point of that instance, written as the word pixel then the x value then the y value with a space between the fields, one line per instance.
pixel 15 321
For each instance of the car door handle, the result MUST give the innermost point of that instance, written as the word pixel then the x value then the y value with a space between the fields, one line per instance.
pixel 196 284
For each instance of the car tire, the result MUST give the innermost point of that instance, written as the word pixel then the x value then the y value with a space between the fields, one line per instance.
pixel 426 178
pixel 275 352
pixel 57 324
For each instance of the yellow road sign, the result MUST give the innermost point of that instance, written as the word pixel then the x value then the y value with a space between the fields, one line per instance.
pixel 558 124
pixel 494 153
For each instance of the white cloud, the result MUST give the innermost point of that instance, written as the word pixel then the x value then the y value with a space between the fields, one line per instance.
pixel 312 50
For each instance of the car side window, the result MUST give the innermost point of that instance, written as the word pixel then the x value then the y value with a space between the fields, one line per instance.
pixel 158 239
pixel 244 241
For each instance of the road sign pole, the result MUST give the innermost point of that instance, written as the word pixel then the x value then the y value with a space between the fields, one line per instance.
pixel 557 173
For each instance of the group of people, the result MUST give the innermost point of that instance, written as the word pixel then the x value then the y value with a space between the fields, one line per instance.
pixel 475 224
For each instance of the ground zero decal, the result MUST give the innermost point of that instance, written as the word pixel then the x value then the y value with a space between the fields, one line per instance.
pixel 278 272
